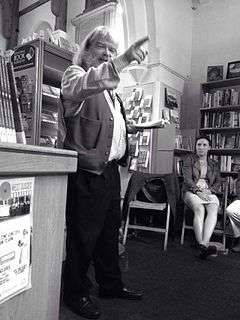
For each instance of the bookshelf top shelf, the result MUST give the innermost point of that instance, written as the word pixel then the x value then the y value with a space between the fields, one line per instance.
pixel 221 83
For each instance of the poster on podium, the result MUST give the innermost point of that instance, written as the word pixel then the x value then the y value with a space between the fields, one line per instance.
pixel 16 202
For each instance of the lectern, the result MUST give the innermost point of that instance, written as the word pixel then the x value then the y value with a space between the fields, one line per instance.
pixel 49 167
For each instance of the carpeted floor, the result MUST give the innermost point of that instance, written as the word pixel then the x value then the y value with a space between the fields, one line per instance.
pixel 177 285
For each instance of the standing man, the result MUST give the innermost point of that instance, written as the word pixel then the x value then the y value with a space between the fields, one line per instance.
pixel 96 129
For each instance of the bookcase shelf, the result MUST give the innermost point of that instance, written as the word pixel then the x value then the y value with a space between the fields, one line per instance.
pixel 52 76
pixel 222 130
pixel 222 151
pixel 221 84
pixel 221 109
pixel 181 151
pixel 48 62
pixel 229 173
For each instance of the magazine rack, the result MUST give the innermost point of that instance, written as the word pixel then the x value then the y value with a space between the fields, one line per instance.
pixel 49 167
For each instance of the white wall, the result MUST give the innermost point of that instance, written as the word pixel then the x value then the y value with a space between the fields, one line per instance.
pixel 174 21
pixel 215 42
pixel 74 8
pixel 2 39
pixel 169 25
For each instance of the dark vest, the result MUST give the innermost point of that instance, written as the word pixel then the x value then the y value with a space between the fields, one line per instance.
pixel 90 133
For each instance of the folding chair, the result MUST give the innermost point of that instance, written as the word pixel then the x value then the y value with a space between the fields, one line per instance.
pixel 151 196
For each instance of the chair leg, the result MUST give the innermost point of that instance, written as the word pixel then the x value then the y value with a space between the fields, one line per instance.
pixel 167 228
pixel 183 228
pixel 224 240
pixel 126 227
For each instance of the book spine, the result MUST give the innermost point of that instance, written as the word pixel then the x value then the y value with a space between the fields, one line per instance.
pixel 2 126
pixel 3 136
pixel 3 104
pixel 9 103
pixel 17 116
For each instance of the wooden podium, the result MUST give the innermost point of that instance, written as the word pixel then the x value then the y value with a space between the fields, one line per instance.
pixel 50 167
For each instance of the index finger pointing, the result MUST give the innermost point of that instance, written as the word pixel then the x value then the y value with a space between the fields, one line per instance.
pixel 141 41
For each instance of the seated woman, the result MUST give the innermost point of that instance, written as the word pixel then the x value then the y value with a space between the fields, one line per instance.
pixel 201 183
pixel 233 212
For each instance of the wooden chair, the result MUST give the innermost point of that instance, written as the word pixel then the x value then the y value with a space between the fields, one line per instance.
pixel 148 201
pixel 218 229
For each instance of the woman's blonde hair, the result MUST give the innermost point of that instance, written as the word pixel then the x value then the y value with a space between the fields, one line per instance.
pixel 99 33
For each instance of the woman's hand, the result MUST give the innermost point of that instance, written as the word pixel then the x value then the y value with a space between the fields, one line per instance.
pixel 203 195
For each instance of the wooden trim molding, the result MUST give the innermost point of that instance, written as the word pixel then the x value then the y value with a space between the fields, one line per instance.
pixel 59 9
pixel 93 4
pixel 33 6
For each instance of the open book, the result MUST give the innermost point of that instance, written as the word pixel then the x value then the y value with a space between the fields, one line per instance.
pixel 160 123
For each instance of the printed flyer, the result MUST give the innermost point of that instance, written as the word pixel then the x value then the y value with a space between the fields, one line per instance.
pixel 16 201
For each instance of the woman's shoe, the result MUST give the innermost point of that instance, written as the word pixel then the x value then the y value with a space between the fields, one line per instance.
pixel 236 246
pixel 207 251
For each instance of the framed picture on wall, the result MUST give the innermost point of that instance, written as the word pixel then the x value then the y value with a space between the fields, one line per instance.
pixel 171 101
pixel 214 73
pixel 233 70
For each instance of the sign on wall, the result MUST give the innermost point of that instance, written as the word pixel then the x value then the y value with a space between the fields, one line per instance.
pixel 16 201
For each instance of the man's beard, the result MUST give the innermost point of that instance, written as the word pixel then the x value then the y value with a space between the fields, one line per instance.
pixel 89 61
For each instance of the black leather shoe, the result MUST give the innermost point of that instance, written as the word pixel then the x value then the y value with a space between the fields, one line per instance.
pixel 207 251
pixel 82 306
pixel 125 293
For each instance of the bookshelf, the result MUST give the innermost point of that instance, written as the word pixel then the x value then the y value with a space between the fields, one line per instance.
pixel 220 120
pixel 38 68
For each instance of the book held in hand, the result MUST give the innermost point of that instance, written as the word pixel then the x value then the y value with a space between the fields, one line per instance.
pixel 160 123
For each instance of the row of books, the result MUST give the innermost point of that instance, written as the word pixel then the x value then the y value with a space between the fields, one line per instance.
pixel 232 190
pixel 228 119
pixel 11 126
pixel 224 97
pixel 184 142
pixel 228 163
pixel 225 140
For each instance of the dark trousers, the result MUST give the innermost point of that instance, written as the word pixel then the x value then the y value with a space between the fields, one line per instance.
pixel 93 219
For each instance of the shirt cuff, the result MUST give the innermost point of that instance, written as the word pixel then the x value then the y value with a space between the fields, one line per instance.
pixel 120 63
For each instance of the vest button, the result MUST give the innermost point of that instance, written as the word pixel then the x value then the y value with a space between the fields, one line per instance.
pixel 106 152
pixel 111 118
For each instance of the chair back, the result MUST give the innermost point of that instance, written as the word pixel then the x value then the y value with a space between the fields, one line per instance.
pixel 152 191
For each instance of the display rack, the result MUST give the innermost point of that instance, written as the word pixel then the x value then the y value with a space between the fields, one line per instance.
pixel 38 67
